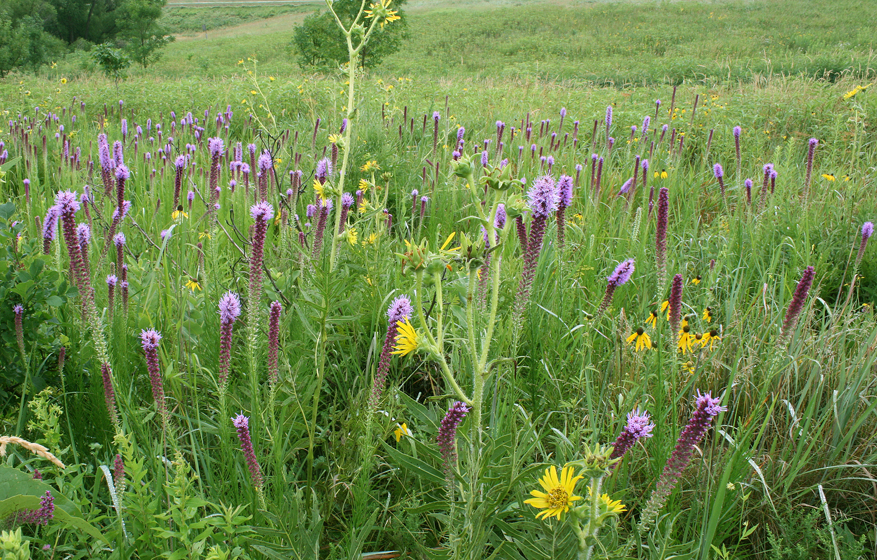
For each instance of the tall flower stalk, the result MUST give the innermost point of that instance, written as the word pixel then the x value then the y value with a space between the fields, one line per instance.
pixel 564 188
pixel 619 277
pixel 242 425
pixel 399 311
pixel 796 306
pixel 706 409
pixel 543 201
pixel 149 339
pixel 661 238
pixel 274 341
pixel 229 311
pixel 639 425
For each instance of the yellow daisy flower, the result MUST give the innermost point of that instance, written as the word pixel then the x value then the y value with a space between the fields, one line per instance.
pixel 179 213
pixel 364 185
pixel 710 337
pixel 193 285
pixel 652 319
pixel 828 176
pixel 685 340
pixel 407 341
pixel 641 337
pixel 204 234
pixel 696 280
pixel 402 430
pixel 558 495
pixel 614 507
pixel 708 315
pixel 666 307
pixel 352 235
pixel 369 166
pixel 318 188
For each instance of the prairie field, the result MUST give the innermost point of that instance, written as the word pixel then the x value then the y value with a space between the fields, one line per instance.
pixel 557 279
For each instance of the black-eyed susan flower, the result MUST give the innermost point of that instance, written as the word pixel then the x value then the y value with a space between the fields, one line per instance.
pixel 710 337
pixel 641 338
pixel 828 177
pixel 179 214
pixel 666 307
pixel 685 339
pixel 407 341
pixel 401 431
pixel 652 319
pixel 688 367
pixel 696 280
pixel 204 234
pixel 707 315
pixel 558 494
pixel 193 284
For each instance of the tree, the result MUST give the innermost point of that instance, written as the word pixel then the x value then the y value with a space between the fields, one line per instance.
pixel 319 41
pixel 23 43
pixel 138 20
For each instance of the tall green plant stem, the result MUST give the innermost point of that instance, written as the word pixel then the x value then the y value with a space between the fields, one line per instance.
pixel 353 58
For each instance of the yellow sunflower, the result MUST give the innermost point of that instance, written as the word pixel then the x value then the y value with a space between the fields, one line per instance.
pixel 407 341
pixel 558 495
pixel 318 188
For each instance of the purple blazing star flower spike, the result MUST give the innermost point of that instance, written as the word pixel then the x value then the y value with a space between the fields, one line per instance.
pixel 543 196
pixel 867 232
pixel 399 310
pixel 274 340
pixel 447 438
pixel 265 163
pixel 347 200
pixel 242 425
pixel 797 304
pixel 646 123
pixel 112 280
pixel 500 217
pixel 622 273
pixel 229 308
pixel 324 170
pixel 119 239
pixel 436 116
pixel 310 211
pixel 608 116
pixel 718 171
pixel 625 187
pixel 262 211
pixel 50 225
pixel 707 408
pixel 484 158
pixel 165 234
pixel 66 202
pixel 216 147
pixel 737 131
pixel 638 426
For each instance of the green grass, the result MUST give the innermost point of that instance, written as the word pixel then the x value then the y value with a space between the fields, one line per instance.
pixel 800 417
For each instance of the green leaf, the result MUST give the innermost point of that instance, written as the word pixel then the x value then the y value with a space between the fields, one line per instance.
pixel 55 301
pixel 416 466
pixel 7 210
pixel 18 489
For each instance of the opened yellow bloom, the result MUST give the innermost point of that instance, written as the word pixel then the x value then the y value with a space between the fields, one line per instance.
pixel 401 430
pixel 696 280
pixel 407 341
pixel 710 337
pixel 204 234
pixel 369 166
pixel 708 315
pixel 666 307
pixel 447 241
pixel 352 235
pixel 612 506
pixel 641 337
pixel 652 319
pixel 318 188
pixel 685 340
pixel 193 285
pixel 558 495
pixel 179 214
pixel 828 176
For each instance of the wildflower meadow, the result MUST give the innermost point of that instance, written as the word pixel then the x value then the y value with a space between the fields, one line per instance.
pixel 450 311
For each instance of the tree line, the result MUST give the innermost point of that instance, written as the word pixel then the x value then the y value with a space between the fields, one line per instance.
pixel 33 32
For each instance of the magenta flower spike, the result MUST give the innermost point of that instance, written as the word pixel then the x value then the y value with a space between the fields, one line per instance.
pixel 398 312
pixel 447 439
pixel 564 188
pixel 796 305
pixel 229 311
pixel 149 339
pixel 109 393
pixel 180 168
pixel 274 341
pixel 638 426
pixel 661 237
pixel 346 202
pixel 701 421
pixel 676 303
pixel 543 198
pixel 719 173
pixel 112 281
pixel 262 214
pixel 266 165
pixel 242 425
pixel 19 328
pixel 747 184
pixel 620 276
pixel 50 227
pixel 811 152
pixel 119 474
pixel 867 232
